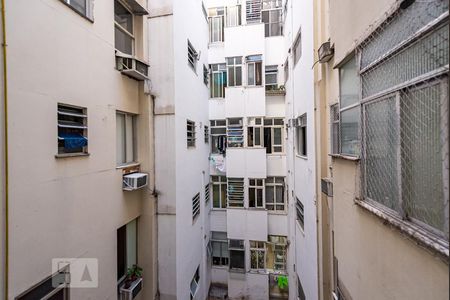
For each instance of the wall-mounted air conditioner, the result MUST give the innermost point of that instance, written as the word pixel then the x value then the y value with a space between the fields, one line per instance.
pixel 131 66
pixel 327 187
pixel 134 181
pixel 129 293
pixel 325 52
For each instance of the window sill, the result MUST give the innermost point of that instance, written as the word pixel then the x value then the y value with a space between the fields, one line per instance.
pixel 77 12
pixel 216 98
pixel 218 209
pixel 301 156
pixel 276 154
pixel 345 157
pixel 133 164
pixel 259 272
pixel 277 213
pixel 240 271
pixel 418 234
pixel 257 208
pixel 66 155
pixel 220 267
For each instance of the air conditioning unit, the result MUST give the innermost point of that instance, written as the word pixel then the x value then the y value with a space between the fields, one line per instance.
pixel 325 52
pixel 134 181
pixel 131 66
pixel 131 292
pixel 327 186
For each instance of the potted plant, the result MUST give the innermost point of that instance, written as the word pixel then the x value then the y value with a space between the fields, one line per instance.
pixel 134 273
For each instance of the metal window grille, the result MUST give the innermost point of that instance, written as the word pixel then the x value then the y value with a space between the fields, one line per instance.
pixel 235 133
pixel 257 255
pixel 278 245
pixel 404 76
pixel 72 129
pixel 334 128
pixel 300 210
pixel 207 197
pixel 235 192
pixel 206 133
pixel 253 11
pixel 196 206
pixel 190 130
pixel 192 56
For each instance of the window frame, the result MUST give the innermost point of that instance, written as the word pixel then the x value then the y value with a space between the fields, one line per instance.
pixel 234 66
pixel 255 185
pixel 127 264
pixel 221 70
pixel 271 70
pixel 134 138
pixel 334 129
pixel 238 18
pixel 224 260
pixel 192 56
pixel 88 13
pixel 253 11
pixel 300 213
pixel 278 245
pixel 252 127
pixel 235 192
pixel 278 7
pixel 222 182
pixel 271 181
pixel 297 47
pixel 301 136
pixel 218 136
pixel 125 31
pixel 206 134
pixel 195 207
pixel 235 133
pixel 240 248
pixel 196 280
pixel 256 62
pixel 272 128
pixel 71 112
pixel 257 248
pixel 190 133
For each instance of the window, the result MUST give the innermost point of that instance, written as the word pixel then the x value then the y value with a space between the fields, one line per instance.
pixel 275 193
pixel 218 136
pixel 207 187
pixel 273 135
pixel 350 111
pixel 272 17
pixel 271 78
pixel 218 80
pixel 192 56
pixel 298 47
pixel 286 70
pixel 300 212
pixel 235 192
pixel 300 292
pixel 206 133
pixel 216 19
pixel 255 132
pixel 233 15
pixel 195 282
pixel 126 249
pixel 334 130
pixel 253 11
pixel 80 6
pixel 205 14
pixel 257 255
pixel 255 193
pixel 205 75
pixel 301 135
pixel 254 64
pixel 234 71
pixel 123 28
pixel 190 133
pixel 125 138
pixel 276 253
pixel 219 186
pixel 54 287
pixel 219 248
pixel 237 255
pixel 235 133
pixel 195 206
pixel 72 129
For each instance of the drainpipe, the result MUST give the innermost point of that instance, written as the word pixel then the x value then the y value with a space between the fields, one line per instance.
pixel 5 107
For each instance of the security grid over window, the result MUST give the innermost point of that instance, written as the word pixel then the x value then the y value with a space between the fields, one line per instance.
pixel 195 206
pixel 301 135
pixel 256 193
pixel 233 14
pixel 275 194
pixel 216 19
pixel 125 138
pixel 123 28
pixel 234 71
pixel 272 17
pixel 207 194
pixel 235 192
pixel 192 56
pixel 195 282
pixel 206 133
pixel 219 190
pixel 255 132
pixel 297 47
pixel 273 135
pixel 334 130
pixel 219 242
pixel 126 249
pixel 300 210
pixel 276 253
pixel 257 255
pixel 271 78
pixel 236 250
pixel 253 11
pixel 405 109
pixel 190 133
pixel 81 6
pixel 72 129
pixel 235 133
pixel 218 136
pixel 218 80
pixel 205 75
pixel 254 70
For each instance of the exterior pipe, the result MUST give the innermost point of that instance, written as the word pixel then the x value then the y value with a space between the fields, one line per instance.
pixel 5 107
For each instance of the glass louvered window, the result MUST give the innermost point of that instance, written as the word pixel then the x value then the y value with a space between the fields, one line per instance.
pixel 195 206
pixel 192 56
pixel 235 133
pixel 253 11
pixel 72 129
pixel 235 192
pixel 207 195
pixel 300 210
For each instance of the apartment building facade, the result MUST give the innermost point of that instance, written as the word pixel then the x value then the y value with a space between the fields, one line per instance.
pixel 381 93
pixel 80 121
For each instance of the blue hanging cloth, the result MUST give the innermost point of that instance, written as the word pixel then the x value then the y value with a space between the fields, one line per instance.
pixel 73 140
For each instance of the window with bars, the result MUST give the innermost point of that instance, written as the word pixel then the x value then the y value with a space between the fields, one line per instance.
pixel 206 133
pixel 254 70
pixel 334 128
pixel 233 15
pixel 236 249
pixel 300 210
pixel 192 56
pixel 257 255
pixel 301 135
pixel 235 192
pixel 271 78
pixel 234 71
pixel 126 150
pixel 195 206
pixel 272 17
pixel 219 190
pixel 207 188
pixel 218 136
pixel 255 132
pixel 253 11
pixel 123 28
pixel 275 194
pixel 205 75
pixel 190 133
pixel 273 135
pixel 276 253
pixel 235 133
pixel 219 242
pixel 256 193
pixel 72 129
pixel 297 47
pixel 218 80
